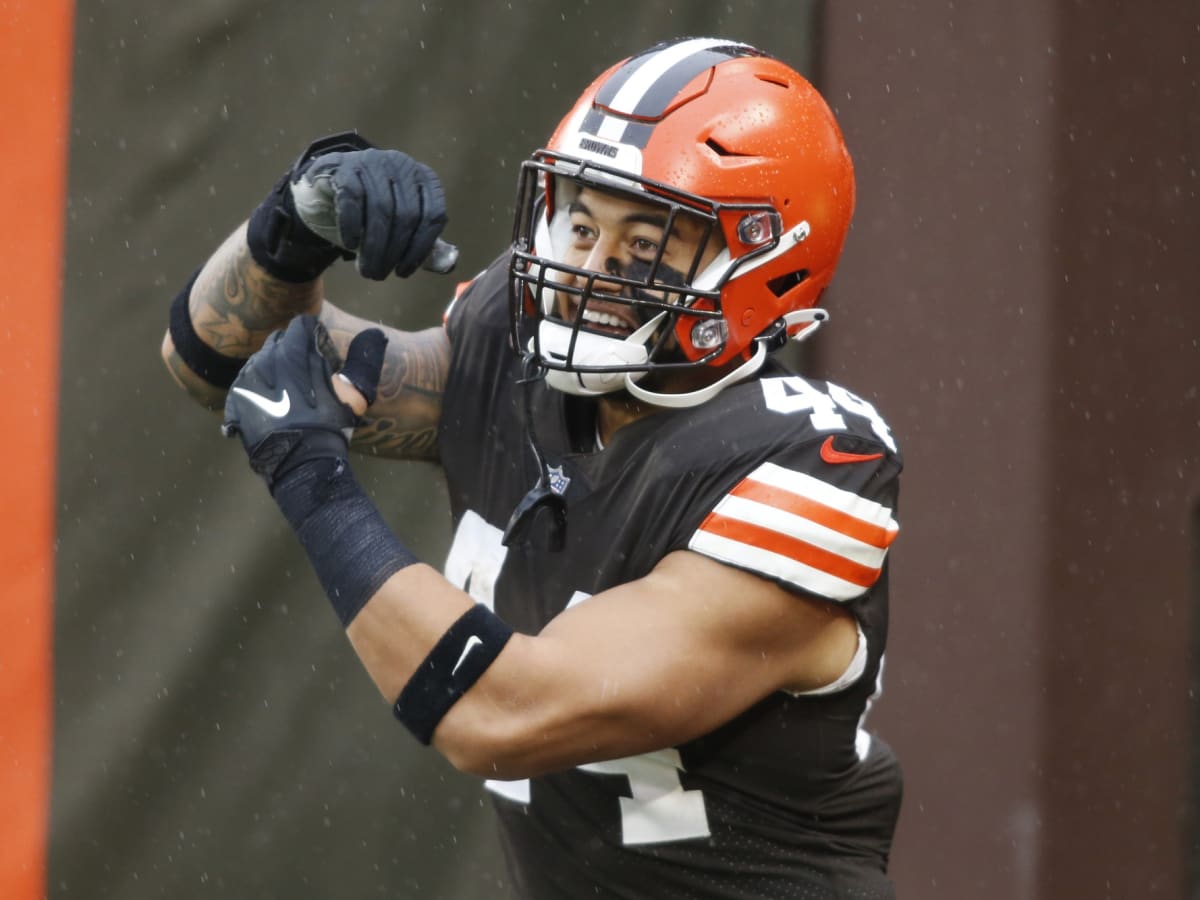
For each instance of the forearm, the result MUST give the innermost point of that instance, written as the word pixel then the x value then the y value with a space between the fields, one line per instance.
pixel 402 422
pixel 233 306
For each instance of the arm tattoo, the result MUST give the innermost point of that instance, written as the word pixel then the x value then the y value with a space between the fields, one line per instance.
pixel 402 423
pixel 235 305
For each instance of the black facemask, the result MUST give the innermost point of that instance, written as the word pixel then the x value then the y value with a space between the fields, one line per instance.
pixel 640 270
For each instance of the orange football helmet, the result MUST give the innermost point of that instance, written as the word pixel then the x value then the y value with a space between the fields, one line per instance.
pixel 707 129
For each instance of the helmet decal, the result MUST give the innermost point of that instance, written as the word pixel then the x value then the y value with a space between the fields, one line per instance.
pixel 648 84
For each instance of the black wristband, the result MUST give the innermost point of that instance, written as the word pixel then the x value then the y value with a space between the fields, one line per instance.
pixel 455 663
pixel 351 548
pixel 216 368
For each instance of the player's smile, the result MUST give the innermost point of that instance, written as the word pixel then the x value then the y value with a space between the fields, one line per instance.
pixel 622 237
pixel 603 316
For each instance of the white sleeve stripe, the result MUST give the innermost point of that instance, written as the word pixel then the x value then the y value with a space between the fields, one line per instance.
pixel 823 492
pixel 774 564
pixel 804 529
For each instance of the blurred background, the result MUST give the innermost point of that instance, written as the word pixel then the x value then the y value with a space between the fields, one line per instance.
pixel 1018 296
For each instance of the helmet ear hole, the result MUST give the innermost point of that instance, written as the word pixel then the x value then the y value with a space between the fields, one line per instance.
pixel 784 283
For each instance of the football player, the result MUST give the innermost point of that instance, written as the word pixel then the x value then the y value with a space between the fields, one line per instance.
pixel 664 612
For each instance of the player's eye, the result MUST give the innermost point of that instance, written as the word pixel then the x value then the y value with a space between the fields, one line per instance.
pixel 582 233
pixel 644 248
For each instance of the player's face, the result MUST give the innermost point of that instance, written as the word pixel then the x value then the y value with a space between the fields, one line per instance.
pixel 615 235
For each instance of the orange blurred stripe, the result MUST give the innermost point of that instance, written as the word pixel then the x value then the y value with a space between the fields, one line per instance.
pixel 35 66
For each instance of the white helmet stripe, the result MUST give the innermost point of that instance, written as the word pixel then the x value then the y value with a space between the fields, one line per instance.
pixel 653 68
pixel 641 76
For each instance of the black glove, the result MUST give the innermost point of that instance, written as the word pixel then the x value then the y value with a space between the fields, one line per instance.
pixel 279 240
pixel 381 204
pixel 282 404
pixel 345 198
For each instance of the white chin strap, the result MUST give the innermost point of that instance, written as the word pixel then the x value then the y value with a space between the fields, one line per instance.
pixel 695 398
pixel 811 318
pixel 595 350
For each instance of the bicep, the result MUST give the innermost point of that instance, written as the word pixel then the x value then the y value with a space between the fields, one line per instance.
pixel 652 664
pixel 403 420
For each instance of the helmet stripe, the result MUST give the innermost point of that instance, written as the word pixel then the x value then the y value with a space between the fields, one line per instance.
pixel 645 86
pixel 660 93
pixel 621 94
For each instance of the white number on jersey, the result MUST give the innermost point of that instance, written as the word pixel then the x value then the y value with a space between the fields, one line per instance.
pixel 658 808
pixel 791 394
pixel 476 557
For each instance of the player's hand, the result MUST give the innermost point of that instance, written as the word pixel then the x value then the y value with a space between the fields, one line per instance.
pixel 344 198
pixel 283 404
pixel 381 205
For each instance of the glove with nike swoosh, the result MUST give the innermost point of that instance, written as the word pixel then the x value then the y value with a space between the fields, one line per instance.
pixel 282 404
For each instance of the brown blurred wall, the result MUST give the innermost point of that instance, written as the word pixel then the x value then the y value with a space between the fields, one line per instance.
pixel 1020 287
pixel 1126 374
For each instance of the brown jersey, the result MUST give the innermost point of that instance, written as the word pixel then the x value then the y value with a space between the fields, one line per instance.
pixel 790 478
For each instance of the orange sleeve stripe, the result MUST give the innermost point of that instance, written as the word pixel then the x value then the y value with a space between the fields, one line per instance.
pixel 839 521
pixel 793 548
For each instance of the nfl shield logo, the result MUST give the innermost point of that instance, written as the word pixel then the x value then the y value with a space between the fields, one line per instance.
pixel 558 481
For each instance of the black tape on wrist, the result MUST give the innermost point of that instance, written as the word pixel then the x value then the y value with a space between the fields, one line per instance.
pixel 281 244
pixel 351 548
pixel 216 368
pixel 454 664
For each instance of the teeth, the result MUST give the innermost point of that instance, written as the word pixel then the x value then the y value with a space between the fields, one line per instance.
pixel 601 318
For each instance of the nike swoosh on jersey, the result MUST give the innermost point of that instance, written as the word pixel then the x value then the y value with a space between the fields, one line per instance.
pixel 472 642
pixel 275 408
pixel 833 455
pixel 792 526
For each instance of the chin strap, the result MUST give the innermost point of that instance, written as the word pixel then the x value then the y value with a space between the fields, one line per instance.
pixel 592 350
pixel 816 317
pixel 704 394
pixel 771 339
